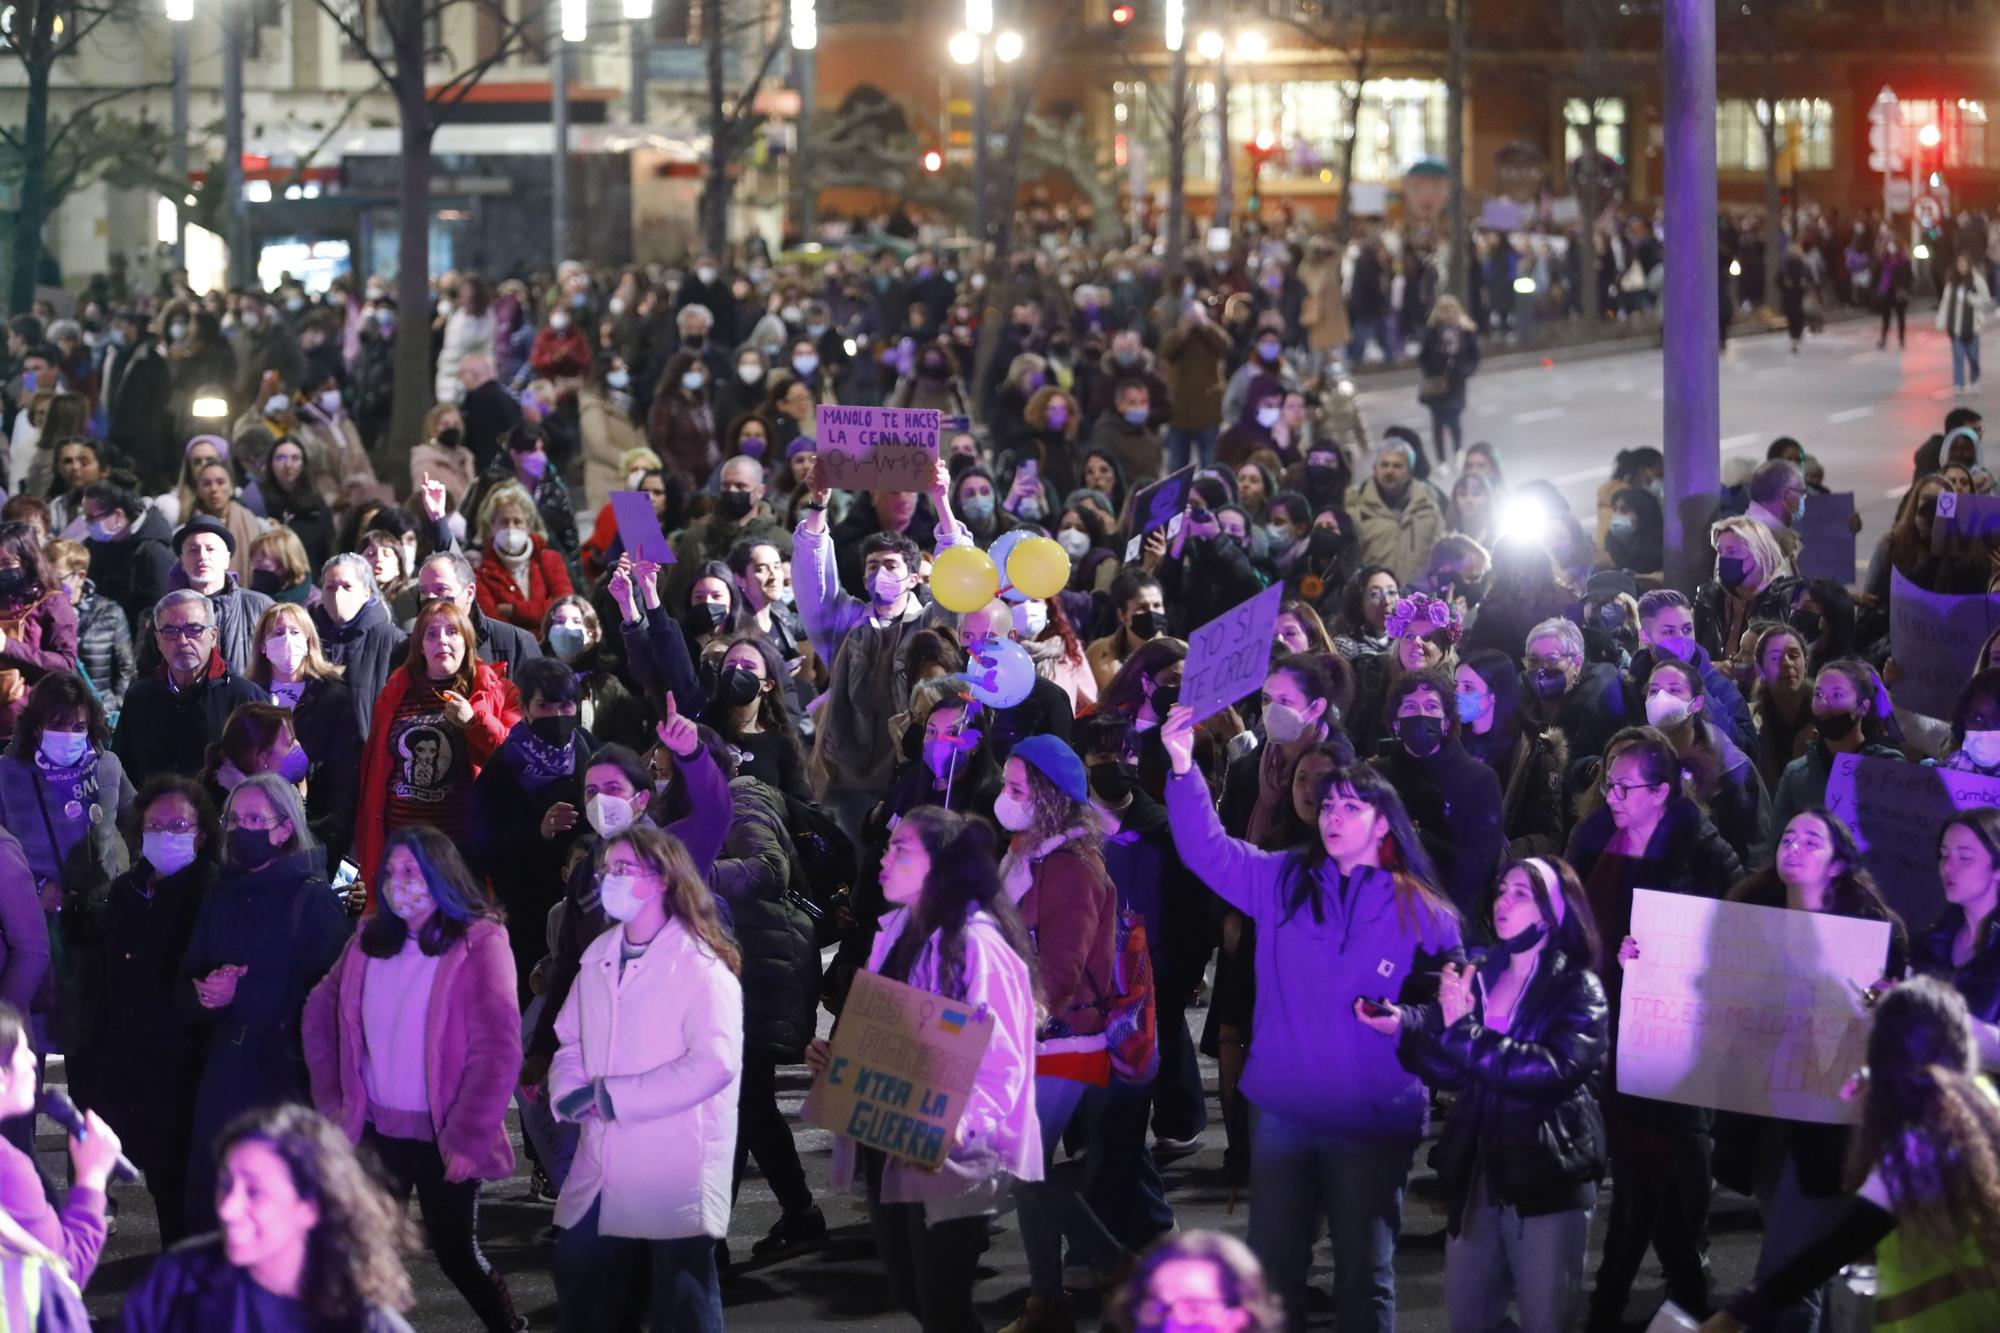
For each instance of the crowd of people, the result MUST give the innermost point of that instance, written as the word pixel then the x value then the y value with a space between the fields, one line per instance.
pixel 359 792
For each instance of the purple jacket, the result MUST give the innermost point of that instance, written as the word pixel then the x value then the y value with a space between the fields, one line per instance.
pixel 472 1050
pixel 1311 1060
pixel 24 932
pixel 76 1233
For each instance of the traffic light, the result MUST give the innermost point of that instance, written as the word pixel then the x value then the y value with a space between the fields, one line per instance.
pixel 933 161
pixel 1122 14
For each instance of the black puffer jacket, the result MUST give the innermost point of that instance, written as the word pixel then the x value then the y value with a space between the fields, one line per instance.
pixel 1979 980
pixel 1528 1113
pixel 780 959
pixel 1530 762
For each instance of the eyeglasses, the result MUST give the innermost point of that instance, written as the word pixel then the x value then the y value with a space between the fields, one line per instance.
pixel 171 632
pixel 180 826
pixel 1622 791
pixel 256 823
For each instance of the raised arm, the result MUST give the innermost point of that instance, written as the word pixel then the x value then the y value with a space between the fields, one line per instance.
pixel 1240 874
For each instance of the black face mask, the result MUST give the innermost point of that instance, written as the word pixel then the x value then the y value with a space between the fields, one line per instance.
pixel 1808 624
pixel 734 505
pixel 1114 782
pixel 1322 480
pixel 553 730
pixel 450 436
pixel 1836 726
pixel 1526 940
pixel 1323 544
pixel 15 585
pixel 1164 698
pixel 1145 625
pixel 250 848
pixel 708 617
pixel 1550 685
pixel 739 685
pixel 694 342
pixel 1420 735
pixel 265 581
pixel 1732 571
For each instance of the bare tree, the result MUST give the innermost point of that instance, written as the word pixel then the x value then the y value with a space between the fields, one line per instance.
pixel 1349 28
pixel 395 38
pixel 1766 34
pixel 732 122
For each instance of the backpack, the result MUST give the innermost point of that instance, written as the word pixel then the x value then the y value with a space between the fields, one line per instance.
pixel 1131 1031
pixel 823 870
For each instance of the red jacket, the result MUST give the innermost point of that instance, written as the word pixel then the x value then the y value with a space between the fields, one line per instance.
pixel 504 599
pixel 496 707
pixel 40 638
pixel 564 355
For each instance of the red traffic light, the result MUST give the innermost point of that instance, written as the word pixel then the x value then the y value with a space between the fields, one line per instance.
pixel 1122 14
pixel 933 161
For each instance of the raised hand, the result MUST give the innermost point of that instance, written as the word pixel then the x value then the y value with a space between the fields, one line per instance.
pixel 431 493
pixel 621 589
pixel 1177 735
pixel 677 731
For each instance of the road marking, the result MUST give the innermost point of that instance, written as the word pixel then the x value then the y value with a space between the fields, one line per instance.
pixel 1541 414
pixel 1772 372
pixel 1739 442
pixel 1588 474
pixel 1851 414
pixel 1939 395
pixel 1896 492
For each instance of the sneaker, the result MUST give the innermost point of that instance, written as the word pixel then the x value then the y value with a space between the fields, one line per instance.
pixel 1167 1150
pixel 801 1229
pixel 539 1188
pixel 1043 1317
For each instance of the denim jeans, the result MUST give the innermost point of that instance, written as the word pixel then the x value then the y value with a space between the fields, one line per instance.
pixel 1121 1183
pixel 1964 355
pixel 1298 1172
pixel 1184 446
pixel 597 1277
pixel 1444 422
pixel 1375 329
pixel 1499 1256
pixel 1051 1207
pixel 451 1223
pixel 553 1140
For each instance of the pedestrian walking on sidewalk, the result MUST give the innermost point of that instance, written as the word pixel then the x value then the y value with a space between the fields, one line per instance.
pixel 1961 313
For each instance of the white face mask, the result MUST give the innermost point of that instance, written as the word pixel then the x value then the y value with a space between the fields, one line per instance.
pixel 559 321
pixel 750 374
pixel 512 542
pixel 285 652
pixel 1664 710
pixel 1075 541
pixel 1034 618
pixel 1013 815
pixel 1982 747
pixel 168 853
pixel 619 896
pixel 609 815
pixel 65 749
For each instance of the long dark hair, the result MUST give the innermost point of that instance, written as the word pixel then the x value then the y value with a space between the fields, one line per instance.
pixel 1502 679
pixel 57 690
pixel 774 714
pixel 1575 937
pixel 1852 893
pixel 17 539
pixel 1354 598
pixel 964 878
pixel 1402 853
pixel 1928 1125
pixel 737 622
pixel 461 899
pixel 354 1256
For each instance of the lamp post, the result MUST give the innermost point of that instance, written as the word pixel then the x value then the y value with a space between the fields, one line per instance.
pixel 1211 46
pixel 805 81
pixel 982 47
pixel 1176 230
pixel 638 13
pixel 575 28
pixel 180 13
pixel 1692 407
pixel 242 266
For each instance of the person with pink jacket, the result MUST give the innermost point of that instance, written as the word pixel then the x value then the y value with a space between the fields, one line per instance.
pixel 413 1043
pixel 954 932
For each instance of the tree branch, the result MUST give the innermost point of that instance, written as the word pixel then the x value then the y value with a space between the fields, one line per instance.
pixel 358 41
pixel 81 113
pixel 453 91
pixel 744 112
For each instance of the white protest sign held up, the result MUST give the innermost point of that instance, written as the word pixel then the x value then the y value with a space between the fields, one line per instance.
pixel 1743 1008
pixel 1936 638
pixel 1896 811
pixel 878 448
pixel 1230 655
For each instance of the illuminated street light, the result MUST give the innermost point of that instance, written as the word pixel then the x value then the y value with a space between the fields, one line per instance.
pixel 1007 47
pixel 1209 46
pixel 1928 136
pixel 964 48
pixel 979 17
pixel 180 11
pixel 575 20
pixel 1252 45
pixel 1175 21
pixel 805 23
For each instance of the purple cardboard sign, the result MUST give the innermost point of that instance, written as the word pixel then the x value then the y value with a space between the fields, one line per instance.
pixel 1230 655
pixel 639 527
pixel 878 448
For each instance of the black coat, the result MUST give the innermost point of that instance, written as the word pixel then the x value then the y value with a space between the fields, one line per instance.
pixel 324 723
pixel 369 647
pixel 132 571
pixel 1212 576
pixel 1527 1113
pixel 1530 762
pixel 164 730
pixel 489 413
pixel 1979 980
pixel 1454 802
pixel 780 957
pixel 525 869
pixel 136 401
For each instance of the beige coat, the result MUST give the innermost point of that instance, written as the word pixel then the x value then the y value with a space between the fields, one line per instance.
pixel 607 434
pixel 1324 314
pixel 1401 539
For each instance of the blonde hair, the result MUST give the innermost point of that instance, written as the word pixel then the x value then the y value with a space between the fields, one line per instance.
pixel 283 545
pixel 511 495
pixel 1771 561
pixel 66 557
pixel 1447 310
pixel 315 667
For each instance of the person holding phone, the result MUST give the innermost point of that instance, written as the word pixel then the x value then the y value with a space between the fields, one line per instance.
pixel 437 722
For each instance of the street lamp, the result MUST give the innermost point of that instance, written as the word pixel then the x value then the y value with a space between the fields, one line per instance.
pixel 1007 47
pixel 805 81
pixel 979 45
pixel 964 47
pixel 1211 46
pixel 180 13
pixel 1928 136
pixel 1252 45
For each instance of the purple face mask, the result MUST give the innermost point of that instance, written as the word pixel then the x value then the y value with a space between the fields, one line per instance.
pixel 751 446
pixel 533 464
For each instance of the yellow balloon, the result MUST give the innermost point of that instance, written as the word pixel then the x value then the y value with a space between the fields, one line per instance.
pixel 1038 567
pixel 963 578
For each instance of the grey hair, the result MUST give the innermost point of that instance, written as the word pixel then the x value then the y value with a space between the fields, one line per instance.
pixel 1770 479
pixel 1563 631
pixel 1387 447
pixel 696 308
pixel 349 560
pixel 284 799
pixel 461 568
pixel 183 597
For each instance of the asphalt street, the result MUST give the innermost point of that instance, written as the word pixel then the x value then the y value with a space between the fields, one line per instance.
pixel 1862 412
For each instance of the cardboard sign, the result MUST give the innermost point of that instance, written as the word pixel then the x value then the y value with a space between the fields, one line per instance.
pixel 1230 655
pixel 1742 1008
pixel 639 527
pixel 1896 811
pixel 1827 534
pixel 903 1063
pixel 878 448
pixel 1963 518
pixel 1936 638
pixel 1155 505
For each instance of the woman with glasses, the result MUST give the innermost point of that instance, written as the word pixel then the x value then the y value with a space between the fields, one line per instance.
pixel 139 1068
pixel 264 937
pixel 1645 832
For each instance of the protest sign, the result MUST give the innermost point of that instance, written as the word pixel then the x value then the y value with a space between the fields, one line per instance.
pixel 1744 1008
pixel 1966 518
pixel 1157 503
pixel 1230 655
pixel 639 527
pixel 1827 536
pixel 901 1067
pixel 1936 638
pixel 1897 811
pixel 878 448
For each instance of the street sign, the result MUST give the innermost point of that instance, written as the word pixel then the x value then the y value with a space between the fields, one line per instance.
pixel 1929 210
pixel 1896 195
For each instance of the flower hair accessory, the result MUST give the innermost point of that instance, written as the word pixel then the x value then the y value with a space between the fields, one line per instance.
pixel 1425 615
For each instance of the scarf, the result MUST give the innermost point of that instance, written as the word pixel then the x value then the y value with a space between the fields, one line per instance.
pixel 1017 868
pixel 533 761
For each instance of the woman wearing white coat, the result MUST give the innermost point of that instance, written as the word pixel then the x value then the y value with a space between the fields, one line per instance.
pixel 651 1056
pixel 954 932
pixel 1961 313
pixel 467 328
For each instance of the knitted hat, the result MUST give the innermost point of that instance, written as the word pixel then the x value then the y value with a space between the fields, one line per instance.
pixel 194 527
pixel 1056 762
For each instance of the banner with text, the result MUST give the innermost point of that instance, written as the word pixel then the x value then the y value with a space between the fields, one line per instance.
pixel 1936 638
pixel 878 448
pixel 1230 655
pixel 1896 811
pixel 1743 1008
pixel 902 1064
